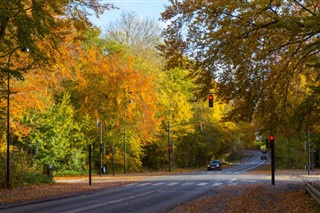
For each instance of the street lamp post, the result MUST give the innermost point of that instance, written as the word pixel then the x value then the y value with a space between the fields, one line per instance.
pixel 8 122
pixel 8 112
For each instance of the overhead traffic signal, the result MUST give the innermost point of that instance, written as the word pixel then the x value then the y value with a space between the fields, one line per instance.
pixel 210 100
pixel 200 126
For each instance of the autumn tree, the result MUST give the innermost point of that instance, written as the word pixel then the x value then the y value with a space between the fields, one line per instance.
pixel 26 24
pixel 30 32
pixel 259 51
pixel 37 27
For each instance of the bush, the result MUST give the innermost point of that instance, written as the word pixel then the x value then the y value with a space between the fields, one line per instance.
pixel 70 172
pixel 31 179
pixel 24 170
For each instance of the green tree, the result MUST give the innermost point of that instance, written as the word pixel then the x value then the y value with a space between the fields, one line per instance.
pixel 59 138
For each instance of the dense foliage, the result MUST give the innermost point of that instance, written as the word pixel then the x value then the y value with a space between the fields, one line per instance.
pixel 258 58
pixel 264 56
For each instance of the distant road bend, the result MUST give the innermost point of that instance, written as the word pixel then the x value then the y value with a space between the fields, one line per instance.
pixel 154 194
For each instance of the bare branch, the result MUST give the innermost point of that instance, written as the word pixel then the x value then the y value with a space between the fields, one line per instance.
pixel 306 9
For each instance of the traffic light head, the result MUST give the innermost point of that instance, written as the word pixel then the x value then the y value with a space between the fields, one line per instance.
pixel 271 138
pixel 200 126
pixel 210 100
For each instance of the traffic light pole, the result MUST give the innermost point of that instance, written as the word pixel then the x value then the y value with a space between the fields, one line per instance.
pixel 272 165
pixel 90 164
pixel 272 146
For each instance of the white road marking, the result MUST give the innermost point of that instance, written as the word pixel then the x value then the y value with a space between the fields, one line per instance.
pixel 217 184
pixel 144 184
pixel 232 184
pixel 158 184
pixel 202 184
pixel 132 184
pixel 189 183
pixel 172 184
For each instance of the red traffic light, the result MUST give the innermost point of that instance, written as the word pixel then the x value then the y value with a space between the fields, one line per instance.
pixel 271 138
pixel 210 100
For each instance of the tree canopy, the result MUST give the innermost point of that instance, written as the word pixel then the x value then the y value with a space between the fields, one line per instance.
pixel 263 54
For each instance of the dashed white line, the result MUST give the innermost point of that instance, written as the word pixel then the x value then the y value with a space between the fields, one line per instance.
pixel 233 184
pixel 172 184
pixel 158 184
pixel 188 183
pixel 132 184
pixel 144 184
pixel 202 184
pixel 217 184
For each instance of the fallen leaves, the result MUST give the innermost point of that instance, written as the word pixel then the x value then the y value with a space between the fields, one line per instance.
pixel 249 198
pixel 49 191
pixel 254 198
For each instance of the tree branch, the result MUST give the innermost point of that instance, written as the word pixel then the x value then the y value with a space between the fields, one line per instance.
pixel 306 9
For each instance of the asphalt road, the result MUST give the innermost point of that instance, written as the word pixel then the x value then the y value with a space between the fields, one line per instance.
pixel 155 194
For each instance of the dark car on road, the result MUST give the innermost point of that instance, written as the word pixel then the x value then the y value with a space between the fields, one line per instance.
pixel 214 165
pixel 263 157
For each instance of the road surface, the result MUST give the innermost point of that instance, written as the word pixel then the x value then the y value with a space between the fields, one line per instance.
pixel 154 194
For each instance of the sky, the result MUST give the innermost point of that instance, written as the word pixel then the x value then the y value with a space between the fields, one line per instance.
pixel 144 8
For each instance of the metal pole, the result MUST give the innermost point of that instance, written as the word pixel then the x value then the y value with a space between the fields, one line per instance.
pixel 8 113
pixel 169 148
pixel 272 163
pixel 8 126
pixel 308 144
pixel 113 161
pixel 125 141
pixel 90 159
pixel 100 149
